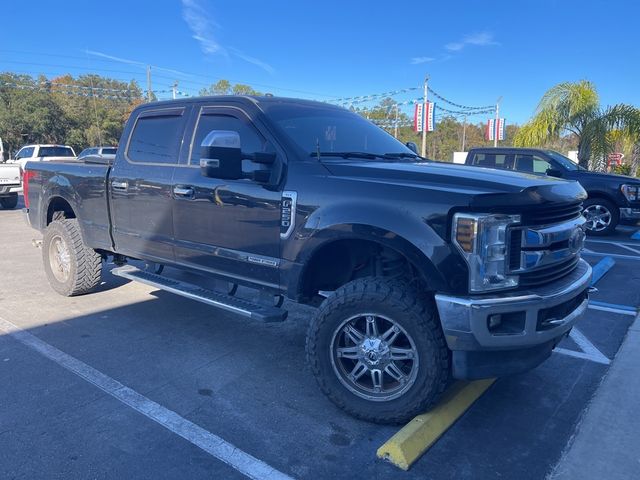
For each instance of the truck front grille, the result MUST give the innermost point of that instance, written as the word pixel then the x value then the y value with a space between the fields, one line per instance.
pixel 540 249
pixel 552 214
pixel 548 274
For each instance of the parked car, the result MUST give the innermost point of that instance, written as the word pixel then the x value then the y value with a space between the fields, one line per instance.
pixel 421 271
pixel 42 153
pixel 611 198
pixel 97 151
pixel 10 185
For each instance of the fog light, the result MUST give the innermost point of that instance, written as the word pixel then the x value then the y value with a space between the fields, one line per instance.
pixel 495 321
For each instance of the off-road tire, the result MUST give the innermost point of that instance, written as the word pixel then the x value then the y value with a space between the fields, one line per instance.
pixel 85 267
pixel 9 202
pixel 615 215
pixel 415 312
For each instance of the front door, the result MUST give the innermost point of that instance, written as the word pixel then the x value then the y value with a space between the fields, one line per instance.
pixel 141 185
pixel 227 227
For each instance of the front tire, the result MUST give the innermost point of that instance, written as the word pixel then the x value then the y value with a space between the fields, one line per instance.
pixel 602 216
pixel 377 350
pixel 72 268
pixel 9 202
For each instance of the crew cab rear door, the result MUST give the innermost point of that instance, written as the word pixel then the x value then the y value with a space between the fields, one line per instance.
pixel 226 227
pixel 140 184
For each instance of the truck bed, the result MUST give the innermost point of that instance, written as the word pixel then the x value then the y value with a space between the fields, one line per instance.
pixel 81 184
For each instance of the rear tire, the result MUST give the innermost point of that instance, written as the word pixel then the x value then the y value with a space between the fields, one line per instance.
pixel 402 373
pixel 72 268
pixel 602 216
pixel 9 202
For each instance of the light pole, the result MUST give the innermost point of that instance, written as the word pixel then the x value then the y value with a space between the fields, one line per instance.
pixel 495 133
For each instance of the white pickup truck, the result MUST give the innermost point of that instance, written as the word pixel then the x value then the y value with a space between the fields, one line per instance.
pixel 42 153
pixel 10 185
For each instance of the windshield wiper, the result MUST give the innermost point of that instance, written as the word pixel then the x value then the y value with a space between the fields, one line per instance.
pixel 400 155
pixel 367 155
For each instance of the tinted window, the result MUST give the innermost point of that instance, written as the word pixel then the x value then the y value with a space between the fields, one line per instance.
pixel 55 152
pixel 250 140
pixel 491 160
pixel 108 151
pixel 531 164
pixel 156 139
pixel 25 153
pixel 88 151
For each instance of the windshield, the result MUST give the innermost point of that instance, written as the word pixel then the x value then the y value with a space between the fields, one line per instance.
pixel 56 152
pixel 332 131
pixel 565 162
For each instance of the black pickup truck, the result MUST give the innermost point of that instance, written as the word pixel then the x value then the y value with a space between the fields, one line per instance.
pixel 421 271
pixel 612 199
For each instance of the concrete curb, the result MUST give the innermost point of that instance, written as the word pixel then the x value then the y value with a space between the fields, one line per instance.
pixel 607 440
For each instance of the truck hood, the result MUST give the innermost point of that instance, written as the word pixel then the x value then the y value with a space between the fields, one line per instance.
pixel 612 177
pixel 484 187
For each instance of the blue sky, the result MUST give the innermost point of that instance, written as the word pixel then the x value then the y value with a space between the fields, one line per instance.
pixel 473 51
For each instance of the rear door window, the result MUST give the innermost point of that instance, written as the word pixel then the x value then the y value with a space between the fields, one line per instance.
pixel 491 160
pixel 156 138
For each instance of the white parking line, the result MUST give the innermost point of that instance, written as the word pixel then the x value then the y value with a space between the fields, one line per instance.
pixel 626 247
pixel 589 351
pixel 604 308
pixel 198 436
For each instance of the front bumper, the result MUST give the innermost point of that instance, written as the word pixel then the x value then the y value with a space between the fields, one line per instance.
pixel 532 323
pixel 630 213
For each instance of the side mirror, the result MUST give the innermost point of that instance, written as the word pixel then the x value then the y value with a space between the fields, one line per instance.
pixel 412 146
pixel 554 172
pixel 221 155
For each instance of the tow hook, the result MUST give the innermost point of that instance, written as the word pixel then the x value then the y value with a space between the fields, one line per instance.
pixel 36 243
pixel 593 290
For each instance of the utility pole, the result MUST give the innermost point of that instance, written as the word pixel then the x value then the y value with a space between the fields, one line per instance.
pixel 148 83
pixel 424 119
pixel 395 130
pixel 173 89
pixel 464 132
pixel 495 133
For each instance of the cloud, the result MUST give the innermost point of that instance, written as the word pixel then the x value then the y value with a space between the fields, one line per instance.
pixel 419 60
pixel 265 66
pixel 201 27
pixel 133 62
pixel 482 39
pixel 203 30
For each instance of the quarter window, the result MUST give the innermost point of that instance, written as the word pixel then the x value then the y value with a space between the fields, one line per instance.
pixel 156 139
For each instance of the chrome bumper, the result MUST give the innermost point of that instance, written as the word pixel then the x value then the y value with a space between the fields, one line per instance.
pixel 630 213
pixel 465 320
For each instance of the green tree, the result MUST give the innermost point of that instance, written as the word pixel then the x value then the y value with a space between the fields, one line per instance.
pixel 221 87
pixel 575 108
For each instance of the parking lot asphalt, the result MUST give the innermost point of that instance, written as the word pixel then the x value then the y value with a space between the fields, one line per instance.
pixel 247 384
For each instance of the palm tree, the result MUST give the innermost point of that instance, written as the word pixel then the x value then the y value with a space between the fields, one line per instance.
pixel 575 108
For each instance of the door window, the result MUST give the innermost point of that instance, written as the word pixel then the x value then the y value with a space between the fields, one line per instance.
pixel 250 139
pixel 491 160
pixel 156 139
pixel 528 163
pixel 25 153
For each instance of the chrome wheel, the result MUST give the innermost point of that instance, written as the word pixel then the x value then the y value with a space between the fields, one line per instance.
pixel 59 259
pixel 598 217
pixel 374 357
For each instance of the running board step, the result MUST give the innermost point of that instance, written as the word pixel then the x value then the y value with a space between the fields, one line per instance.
pixel 224 302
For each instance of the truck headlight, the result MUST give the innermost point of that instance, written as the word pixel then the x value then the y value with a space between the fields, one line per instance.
pixel 631 192
pixel 482 240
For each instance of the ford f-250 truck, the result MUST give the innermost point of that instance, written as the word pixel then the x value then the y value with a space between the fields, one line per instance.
pixel 421 271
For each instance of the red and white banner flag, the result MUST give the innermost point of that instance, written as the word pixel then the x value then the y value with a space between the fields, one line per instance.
pixel 422 122
pixel 418 118
pixel 495 128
